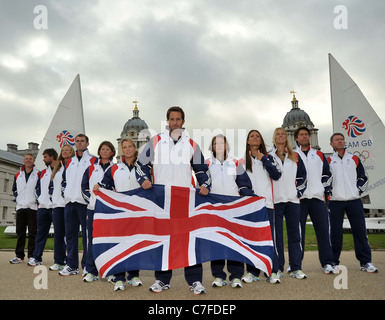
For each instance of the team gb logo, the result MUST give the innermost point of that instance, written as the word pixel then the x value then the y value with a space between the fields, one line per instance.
pixel 65 137
pixel 354 126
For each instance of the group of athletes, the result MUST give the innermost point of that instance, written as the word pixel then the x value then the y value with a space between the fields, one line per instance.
pixel 296 183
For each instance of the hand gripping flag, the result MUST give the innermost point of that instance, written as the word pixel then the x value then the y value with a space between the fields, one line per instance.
pixel 165 228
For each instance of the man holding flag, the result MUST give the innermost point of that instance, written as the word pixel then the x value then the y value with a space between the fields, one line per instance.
pixel 171 155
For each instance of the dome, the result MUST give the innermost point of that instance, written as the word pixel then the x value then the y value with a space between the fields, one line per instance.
pixel 297 116
pixel 136 129
pixel 135 123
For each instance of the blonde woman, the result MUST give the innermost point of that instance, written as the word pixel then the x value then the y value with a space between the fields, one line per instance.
pixel 287 191
pixel 120 178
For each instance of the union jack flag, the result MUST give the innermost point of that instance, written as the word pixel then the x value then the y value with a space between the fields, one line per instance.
pixel 165 228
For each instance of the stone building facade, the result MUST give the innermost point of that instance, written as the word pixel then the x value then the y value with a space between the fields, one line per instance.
pixel 10 164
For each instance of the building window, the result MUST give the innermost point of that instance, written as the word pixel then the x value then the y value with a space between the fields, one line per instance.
pixel 4 216
pixel 6 184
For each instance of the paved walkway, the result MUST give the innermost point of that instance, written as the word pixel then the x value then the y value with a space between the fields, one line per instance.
pixel 17 282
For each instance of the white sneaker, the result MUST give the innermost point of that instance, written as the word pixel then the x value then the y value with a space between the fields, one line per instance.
pixel 369 267
pixel 111 278
pixel 274 278
pixel 33 262
pixel 328 269
pixel 197 288
pixel 56 267
pixel 219 282
pixel 298 274
pixel 135 282
pixel 159 286
pixel 119 285
pixel 249 278
pixel 89 277
pixel 68 271
pixel 236 283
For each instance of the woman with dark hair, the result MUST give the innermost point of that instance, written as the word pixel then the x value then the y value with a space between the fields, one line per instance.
pixel 261 169
pixel 93 175
pixel 228 178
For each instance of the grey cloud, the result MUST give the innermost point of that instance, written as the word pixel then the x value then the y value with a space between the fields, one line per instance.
pixel 182 61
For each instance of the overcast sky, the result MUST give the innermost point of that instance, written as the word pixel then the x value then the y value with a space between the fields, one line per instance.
pixel 229 64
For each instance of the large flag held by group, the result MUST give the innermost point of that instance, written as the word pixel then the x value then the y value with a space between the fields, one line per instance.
pixel 165 228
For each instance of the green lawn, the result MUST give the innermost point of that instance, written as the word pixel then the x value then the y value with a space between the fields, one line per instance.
pixel 376 240
pixel 9 242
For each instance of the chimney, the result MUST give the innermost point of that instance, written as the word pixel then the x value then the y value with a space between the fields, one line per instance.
pixel 33 145
pixel 12 147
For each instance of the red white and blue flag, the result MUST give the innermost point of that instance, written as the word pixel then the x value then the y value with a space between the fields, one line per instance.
pixel 165 228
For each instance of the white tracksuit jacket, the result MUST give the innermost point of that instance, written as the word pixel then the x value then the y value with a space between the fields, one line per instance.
pixel 92 176
pixel 25 192
pixel 229 178
pixel 292 184
pixel 56 189
pixel 42 188
pixel 319 177
pixel 172 162
pixel 73 175
pixel 120 178
pixel 263 172
pixel 349 177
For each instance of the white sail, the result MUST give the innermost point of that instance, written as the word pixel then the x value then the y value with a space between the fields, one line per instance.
pixel 364 131
pixel 67 122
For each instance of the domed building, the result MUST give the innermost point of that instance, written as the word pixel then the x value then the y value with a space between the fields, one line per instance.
pixel 135 129
pixel 297 118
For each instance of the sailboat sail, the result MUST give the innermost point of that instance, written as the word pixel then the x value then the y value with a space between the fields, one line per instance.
pixel 67 122
pixel 364 131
